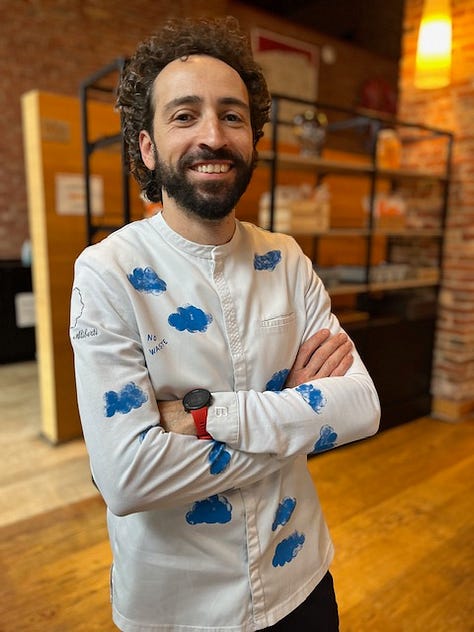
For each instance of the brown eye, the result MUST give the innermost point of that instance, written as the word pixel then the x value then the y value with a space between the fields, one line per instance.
pixel 183 117
pixel 232 117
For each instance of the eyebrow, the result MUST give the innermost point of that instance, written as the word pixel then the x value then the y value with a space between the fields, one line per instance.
pixel 195 100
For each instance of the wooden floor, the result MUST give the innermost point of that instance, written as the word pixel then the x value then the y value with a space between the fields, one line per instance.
pixel 400 508
pixel 34 477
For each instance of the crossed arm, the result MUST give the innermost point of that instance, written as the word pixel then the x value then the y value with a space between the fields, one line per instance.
pixel 322 355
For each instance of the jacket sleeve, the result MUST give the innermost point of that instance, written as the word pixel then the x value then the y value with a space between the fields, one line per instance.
pixel 313 417
pixel 135 464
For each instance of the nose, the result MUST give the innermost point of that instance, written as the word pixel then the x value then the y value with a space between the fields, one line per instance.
pixel 211 133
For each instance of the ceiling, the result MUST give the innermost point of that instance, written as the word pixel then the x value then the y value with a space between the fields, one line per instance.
pixel 375 25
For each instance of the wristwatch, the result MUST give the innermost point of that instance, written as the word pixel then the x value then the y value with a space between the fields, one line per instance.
pixel 197 402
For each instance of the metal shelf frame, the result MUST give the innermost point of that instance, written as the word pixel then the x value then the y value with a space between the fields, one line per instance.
pixel 97 83
pixel 357 119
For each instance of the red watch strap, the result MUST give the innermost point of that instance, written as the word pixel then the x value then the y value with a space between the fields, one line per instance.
pixel 200 420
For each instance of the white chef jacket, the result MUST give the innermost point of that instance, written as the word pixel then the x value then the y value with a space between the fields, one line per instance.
pixel 222 535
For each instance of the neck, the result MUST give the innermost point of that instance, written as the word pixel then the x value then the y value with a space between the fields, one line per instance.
pixel 196 229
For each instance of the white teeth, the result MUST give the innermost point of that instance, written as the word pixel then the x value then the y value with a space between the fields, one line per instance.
pixel 212 168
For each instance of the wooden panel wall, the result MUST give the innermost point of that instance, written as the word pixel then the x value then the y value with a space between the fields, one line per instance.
pixel 52 142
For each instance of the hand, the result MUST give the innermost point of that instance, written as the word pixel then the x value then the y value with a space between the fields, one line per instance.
pixel 322 355
pixel 173 418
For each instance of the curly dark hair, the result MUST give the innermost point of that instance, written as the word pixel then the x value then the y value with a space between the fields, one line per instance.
pixel 221 38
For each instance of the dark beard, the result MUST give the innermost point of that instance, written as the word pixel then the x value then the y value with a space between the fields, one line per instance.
pixel 212 200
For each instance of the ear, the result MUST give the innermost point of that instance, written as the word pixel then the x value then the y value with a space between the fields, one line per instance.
pixel 147 149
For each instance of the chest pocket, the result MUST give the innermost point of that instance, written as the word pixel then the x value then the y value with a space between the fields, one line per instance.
pixel 278 325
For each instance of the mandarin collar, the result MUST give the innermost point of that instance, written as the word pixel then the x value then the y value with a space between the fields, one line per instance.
pixel 203 251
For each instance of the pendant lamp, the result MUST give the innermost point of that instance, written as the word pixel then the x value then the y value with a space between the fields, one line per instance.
pixel 433 53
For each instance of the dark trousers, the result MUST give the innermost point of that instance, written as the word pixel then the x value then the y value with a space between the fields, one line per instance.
pixel 318 613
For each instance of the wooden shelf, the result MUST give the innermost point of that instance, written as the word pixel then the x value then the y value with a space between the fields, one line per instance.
pixel 402 285
pixel 288 160
pixel 408 233
pixel 360 288
pixel 365 232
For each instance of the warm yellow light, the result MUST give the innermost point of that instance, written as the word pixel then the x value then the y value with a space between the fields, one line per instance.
pixel 433 54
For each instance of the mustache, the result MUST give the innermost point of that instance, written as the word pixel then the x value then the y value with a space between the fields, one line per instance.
pixel 209 154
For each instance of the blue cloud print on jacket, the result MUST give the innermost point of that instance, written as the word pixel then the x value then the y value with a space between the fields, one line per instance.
pixel 268 261
pixel 277 381
pixel 146 280
pixel 327 439
pixel 312 396
pixel 131 396
pixel 288 549
pixel 219 457
pixel 190 318
pixel 284 512
pixel 212 510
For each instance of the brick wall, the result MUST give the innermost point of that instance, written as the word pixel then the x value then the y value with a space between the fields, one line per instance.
pixel 52 45
pixel 450 108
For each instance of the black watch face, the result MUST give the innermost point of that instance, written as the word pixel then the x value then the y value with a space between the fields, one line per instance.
pixel 196 399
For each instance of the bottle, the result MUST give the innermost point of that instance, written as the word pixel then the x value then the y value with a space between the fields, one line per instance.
pixel 389 149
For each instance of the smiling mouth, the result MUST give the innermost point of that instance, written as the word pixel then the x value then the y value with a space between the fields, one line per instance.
pixel 213 168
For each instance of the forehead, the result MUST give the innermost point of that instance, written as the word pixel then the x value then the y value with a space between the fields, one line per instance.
pixel 201 76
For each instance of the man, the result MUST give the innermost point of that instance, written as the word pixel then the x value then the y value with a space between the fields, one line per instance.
pixel 208 364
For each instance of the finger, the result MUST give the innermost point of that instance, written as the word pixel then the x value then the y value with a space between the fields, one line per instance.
pixel 308 348
pixel 343 366
pixel 332 363
pixel 324 352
